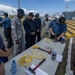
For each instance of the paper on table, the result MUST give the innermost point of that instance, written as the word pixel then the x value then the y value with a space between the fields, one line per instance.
pixel 58 57
pixel 38 71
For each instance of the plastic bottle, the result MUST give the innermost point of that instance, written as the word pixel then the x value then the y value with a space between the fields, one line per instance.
pixel 62 40
pixel 13 67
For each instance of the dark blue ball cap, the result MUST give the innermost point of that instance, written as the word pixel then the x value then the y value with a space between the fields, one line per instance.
pixel 21 11
pixel 37 15
pixel 5 14
pixel 62 19
pixel 31 14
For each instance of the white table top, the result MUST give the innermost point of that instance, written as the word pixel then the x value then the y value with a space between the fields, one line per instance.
pixel 48 66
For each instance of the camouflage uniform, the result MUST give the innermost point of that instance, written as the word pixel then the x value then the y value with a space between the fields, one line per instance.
pixel 17 33
pixel 46 30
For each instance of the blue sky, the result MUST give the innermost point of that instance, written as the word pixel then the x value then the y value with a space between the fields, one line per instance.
pixel 42 6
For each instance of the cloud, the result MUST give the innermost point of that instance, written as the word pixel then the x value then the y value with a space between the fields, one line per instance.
pixel 33 11
pixel 12 10
pixel 68 0
pixel 8 9
pixel 26 11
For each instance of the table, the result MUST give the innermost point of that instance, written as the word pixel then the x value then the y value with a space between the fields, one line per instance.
pixel 48 66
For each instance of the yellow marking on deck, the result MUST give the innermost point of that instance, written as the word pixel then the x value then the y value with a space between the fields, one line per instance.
pixel 68 34
pixel 71 30
pixel 71 26
pixel 70 23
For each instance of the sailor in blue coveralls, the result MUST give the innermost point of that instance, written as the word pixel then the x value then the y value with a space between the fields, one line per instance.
pixel 37 21
pixel 30 29
pixel 58 28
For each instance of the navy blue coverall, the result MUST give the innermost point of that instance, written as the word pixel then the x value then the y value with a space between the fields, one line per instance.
pixel 29 27
pixel 38 27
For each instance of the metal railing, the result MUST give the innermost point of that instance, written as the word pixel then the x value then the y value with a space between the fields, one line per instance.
pixel 68 67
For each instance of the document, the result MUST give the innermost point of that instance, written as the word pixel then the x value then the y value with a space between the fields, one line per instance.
pixel 38 71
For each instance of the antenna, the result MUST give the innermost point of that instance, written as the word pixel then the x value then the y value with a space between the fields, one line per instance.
pixel 66 8
pixel 18 4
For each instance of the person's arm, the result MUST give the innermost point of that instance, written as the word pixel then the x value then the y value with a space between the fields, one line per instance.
pixel 14 32
pixel 3 21
pixel 7 50
pixel 50 28
pixel 4 54
pixel 60 36
pixel 63 32
pixel 39 27
pixel 13 28
pixel 2 70
pixel 43 28
pixel 0 23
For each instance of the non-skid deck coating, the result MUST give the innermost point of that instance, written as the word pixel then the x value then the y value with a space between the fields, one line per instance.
pixel 70 29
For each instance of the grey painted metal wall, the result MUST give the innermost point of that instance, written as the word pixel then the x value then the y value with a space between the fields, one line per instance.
pixel 69 15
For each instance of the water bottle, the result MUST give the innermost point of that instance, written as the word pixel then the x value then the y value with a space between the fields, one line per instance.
pixel 13 67
pixel 62 40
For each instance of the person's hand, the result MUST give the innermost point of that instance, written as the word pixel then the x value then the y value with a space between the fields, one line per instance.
pixel 38 30
pixel 2 70
pixel 53 34
pixel 33 33
pixel 17 41
pixel 7 50
pixel 0 23
pixel 7 54
pixel 58 38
